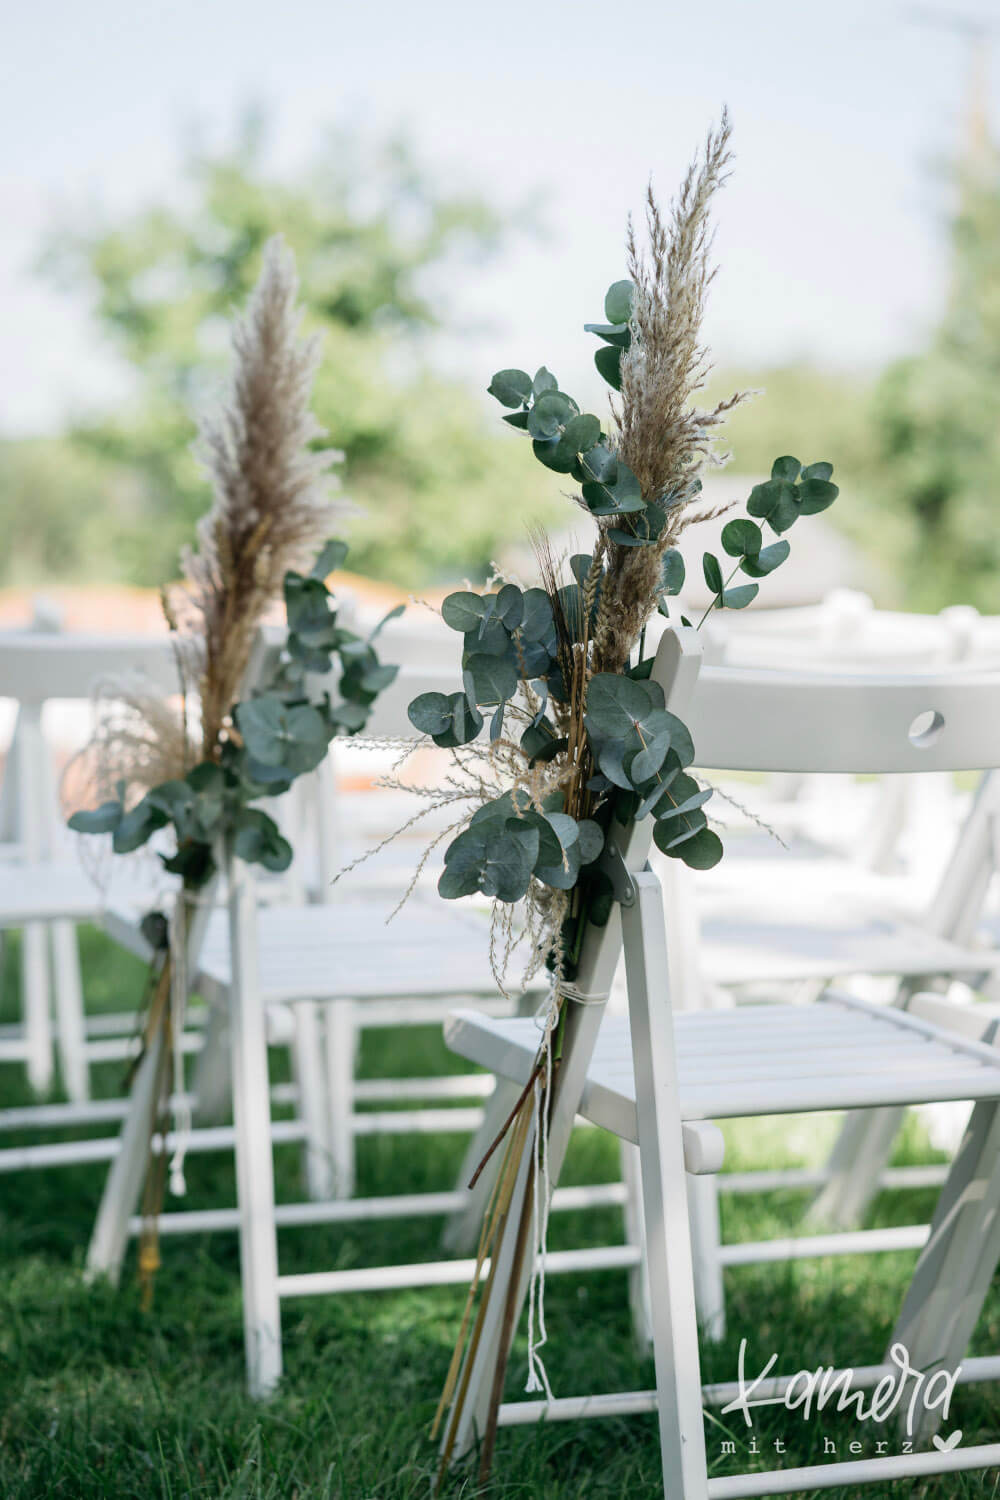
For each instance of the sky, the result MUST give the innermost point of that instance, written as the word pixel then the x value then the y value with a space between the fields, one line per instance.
pixel 829 233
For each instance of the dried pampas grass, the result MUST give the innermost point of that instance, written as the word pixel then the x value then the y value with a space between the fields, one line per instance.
pixel 274 496
pixel 659 432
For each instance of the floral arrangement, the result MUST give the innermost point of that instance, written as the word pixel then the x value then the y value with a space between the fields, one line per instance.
pixel 578 733
pixel 199 765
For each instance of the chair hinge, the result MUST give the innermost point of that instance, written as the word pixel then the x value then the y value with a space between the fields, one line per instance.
pixel 615 868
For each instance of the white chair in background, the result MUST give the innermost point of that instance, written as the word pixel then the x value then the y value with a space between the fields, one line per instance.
pixel 663 1079
pixel 43 890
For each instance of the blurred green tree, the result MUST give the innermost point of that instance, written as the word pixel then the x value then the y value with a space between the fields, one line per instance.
pixel 937 415
pixel 375 242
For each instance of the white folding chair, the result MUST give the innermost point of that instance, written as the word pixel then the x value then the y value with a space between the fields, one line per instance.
pixel 663 1079
pixel 43 891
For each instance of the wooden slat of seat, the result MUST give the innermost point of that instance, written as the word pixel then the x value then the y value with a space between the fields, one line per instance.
pixel 763 1059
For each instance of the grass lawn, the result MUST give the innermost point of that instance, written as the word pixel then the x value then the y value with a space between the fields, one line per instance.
pixel 98 1399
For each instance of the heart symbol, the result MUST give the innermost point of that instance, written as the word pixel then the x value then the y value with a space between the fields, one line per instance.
pixel 945 1445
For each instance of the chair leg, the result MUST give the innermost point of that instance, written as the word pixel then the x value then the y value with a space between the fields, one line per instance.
pixel 69 1012
pixel 254 1161
pixel 212 1084
pixel 640 1302
pixel 35 1007
pixel 307 1064
pixel 664 1196
pixel 862 1150
pixel 956 1266
pixel 709 1290
pixel 123 1186
pixel 340 1046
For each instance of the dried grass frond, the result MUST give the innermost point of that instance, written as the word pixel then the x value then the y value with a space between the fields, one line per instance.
pixel 273 492
pixel 659 432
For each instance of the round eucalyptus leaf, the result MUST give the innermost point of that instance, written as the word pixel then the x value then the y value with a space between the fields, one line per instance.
pixel 581 433
pixel 767 559
pixel 103 819
pixel 591 840
pixel 463 611
pixel 740 597
pixel 430 713
pixel 617 334
pixel 776 502
pixel 742 538
pixel 544 381
pixel 609 366
pixel 618 302
pixel 494 679
pixel 702 852
pixel 599 464
pixel 818 471
pixel 511 387
pixel 552 409
pixel 816 495
pixel 331 558
pixel 510 606
pixel 786 468
pixel 673 572
pixel 551 452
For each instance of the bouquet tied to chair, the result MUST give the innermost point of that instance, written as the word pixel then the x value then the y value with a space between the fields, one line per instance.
pixel 579 736
pixel 193 769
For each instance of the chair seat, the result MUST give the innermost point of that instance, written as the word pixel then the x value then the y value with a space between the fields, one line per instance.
pixel 48 892
pixel 345 949
pixel 758 1060
pixel 761 923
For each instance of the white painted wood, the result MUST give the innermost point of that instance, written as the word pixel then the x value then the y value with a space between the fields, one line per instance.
pixel 353 1210
pixel 70 1034
pixel 446 1273
pixel 124 1183
pixel 664 1194
pixel 340 1039
pixel 254 1166
pixel 307 1067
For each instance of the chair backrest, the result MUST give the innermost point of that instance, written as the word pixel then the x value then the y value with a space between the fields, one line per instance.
pixel 752 720
pixel 38 665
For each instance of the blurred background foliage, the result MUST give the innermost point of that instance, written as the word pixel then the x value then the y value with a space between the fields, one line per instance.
pixel 917 446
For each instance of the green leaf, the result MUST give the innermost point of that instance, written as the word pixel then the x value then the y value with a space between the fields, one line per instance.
pixel 307 606
pixel 376 679
pixel 431 713
pixel 544 381
pixel 618 302
pixel 740 597
pixel 330 559
pixel 786 468
pixel 702 852
pixel 509 608
pixel 742 538
pixel 537 623
pixel 511 387
pixel 672 572
pixel 280 736
pixel 609 366
pixel 599 464
pixel 648 761
pixel 103 819
pixel 349 716
pixel 713 572
pixel 494 679
pixel 615 704
pixel 818 471
pixel 137 827
pixel 259 841
pixel 621 496
pixel 601 898
pixel 581 433
pixel 591 840
pixel 551 410
pixel 617 334
pixel 816 495
pixel 193 863
pixel 551 453
pixel 517 419
pixel 495 857
pixel 463 611
pixel 767 559
pixel 775 501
